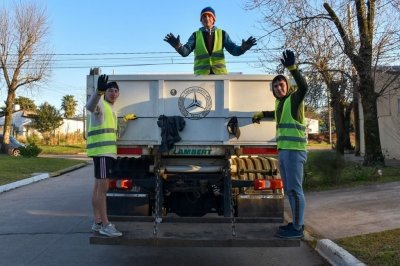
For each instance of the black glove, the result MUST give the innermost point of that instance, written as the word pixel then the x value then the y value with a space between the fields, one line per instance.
pixel 288 58
pixel 251 41
pixel 102 83
pixel 172 40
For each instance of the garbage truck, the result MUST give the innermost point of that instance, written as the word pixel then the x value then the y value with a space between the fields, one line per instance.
pixel 194 157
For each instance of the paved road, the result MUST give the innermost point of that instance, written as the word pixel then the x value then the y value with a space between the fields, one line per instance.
pixel 47 223
pixel 353 211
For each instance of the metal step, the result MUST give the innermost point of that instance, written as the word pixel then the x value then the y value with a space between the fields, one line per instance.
pixel 180 234
pixel 208 218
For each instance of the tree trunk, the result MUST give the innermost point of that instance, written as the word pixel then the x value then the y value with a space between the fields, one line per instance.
pixel 347 123
pixel 8 121
pixel 356 119
pixel 338 115
pixel 373 151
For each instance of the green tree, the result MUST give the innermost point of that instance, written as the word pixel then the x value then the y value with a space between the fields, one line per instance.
pixel 69 105
pixel 25 103
pixel 24 56
pixel 47 120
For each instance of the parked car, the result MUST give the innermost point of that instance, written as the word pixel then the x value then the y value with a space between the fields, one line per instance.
pixel 14 145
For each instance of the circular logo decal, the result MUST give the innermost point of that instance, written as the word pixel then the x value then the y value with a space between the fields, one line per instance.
pixel 195 103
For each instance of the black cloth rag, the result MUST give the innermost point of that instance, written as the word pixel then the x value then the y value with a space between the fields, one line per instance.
pixel 170 127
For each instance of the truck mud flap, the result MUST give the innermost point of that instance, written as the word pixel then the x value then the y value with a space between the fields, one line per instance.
pixel 191 234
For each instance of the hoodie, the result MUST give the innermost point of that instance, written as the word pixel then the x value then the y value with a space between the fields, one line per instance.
pixel 297 98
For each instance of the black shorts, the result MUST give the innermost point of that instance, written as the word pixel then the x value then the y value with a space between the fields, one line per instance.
pixel 103 167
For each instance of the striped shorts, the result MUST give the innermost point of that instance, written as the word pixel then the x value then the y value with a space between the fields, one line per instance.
pixel 103 167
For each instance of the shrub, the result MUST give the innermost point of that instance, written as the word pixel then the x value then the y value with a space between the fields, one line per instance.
pixel 33 139
pixel 324 167
pixel 31 150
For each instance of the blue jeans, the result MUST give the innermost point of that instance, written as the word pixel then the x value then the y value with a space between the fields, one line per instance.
pixel 291 164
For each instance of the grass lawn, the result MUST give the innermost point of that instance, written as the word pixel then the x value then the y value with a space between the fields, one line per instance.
pixel 28 166
pixel 324 170
pixel 374 249
pixel 63 149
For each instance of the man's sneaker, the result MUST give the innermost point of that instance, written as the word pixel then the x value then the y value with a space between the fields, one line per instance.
pixel 96 227
pixel 291 233
pixel 285 227
pixel 289 226
pixel 109 230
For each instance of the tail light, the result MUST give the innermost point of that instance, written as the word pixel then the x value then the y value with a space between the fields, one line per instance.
pixel 125 184
pixel 260 150
pixel 260 184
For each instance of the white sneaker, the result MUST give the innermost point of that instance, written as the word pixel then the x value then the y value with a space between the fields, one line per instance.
pixel 96 227
pixel 109 230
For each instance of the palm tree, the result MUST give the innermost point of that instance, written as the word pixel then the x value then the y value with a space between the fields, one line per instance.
pixel 69 105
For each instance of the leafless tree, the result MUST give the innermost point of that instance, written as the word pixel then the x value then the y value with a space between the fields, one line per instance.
pixel 24 53
pixel 375 42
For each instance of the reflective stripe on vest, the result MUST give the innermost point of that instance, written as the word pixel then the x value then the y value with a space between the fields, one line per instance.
pixel 290 132
pixel 102 139
pixel 203 61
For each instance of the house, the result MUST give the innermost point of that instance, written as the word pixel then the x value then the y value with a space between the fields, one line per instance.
pixel 312 126
pixel 22 124
pixel 388 113
pixel 71 125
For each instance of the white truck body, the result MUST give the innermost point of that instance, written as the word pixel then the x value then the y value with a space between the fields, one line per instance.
pixel 219 96
pixel 210 171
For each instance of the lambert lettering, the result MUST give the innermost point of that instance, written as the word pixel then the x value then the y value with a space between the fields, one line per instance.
pixel 192 151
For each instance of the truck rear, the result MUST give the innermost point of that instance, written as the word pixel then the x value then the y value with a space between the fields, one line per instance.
pixel 193 154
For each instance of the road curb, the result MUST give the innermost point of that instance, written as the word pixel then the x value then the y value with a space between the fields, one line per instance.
pixel 68 169
pixel 329 250
pixel 39 177
pixel 24 182
pixel 336 255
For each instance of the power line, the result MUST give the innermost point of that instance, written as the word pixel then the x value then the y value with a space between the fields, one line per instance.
pixel 131 53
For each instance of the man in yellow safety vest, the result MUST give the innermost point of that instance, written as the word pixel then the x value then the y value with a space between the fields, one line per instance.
pixel 101 146
pixel 208 44
pixel 291 141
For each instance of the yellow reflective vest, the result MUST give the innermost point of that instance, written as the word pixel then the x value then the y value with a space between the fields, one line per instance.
pixel 291 134
pixel 203 62
pixel 102 138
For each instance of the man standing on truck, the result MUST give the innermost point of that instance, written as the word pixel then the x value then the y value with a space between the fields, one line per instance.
pixel 102 147
pixel 208 44
pixel 291 142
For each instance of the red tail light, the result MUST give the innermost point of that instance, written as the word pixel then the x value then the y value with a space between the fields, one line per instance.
pixel 129 150
pixel 126 184
pixel 260 184
pixel 260 150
